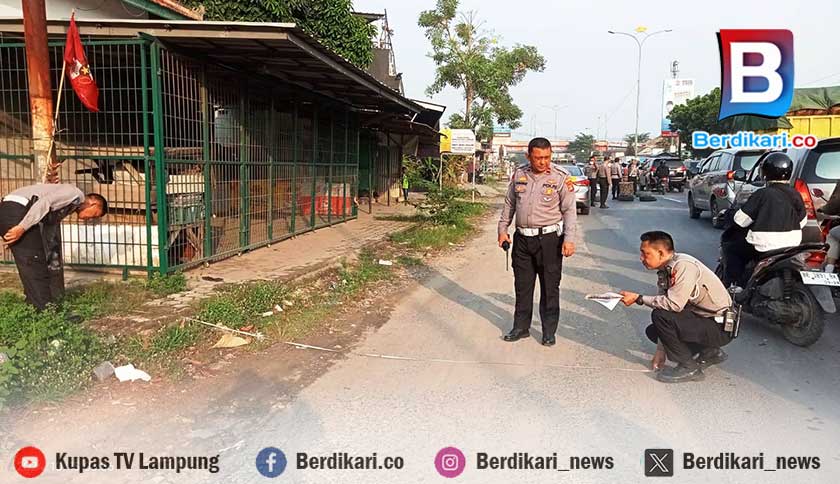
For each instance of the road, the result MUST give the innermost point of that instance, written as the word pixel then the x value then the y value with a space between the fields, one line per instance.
pixel 460 385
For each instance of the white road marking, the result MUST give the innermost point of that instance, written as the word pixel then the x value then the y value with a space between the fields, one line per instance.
pixel 674 200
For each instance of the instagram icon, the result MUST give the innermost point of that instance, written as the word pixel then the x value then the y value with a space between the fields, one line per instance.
pixel 450 462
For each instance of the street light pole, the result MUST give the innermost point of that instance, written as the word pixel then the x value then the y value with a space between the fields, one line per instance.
pixel 556 108
pixel 640 44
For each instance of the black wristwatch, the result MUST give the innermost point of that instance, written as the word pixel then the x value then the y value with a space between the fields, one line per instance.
pixel 639 300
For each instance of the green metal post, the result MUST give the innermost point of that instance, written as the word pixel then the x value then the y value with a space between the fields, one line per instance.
pixel 390 162
pixel 147 159
pixel 295 146
pixel 160 168
pixel 205 151
pixel 346 163
pixel 244 219
pixel 330 168
pixel 358 135
pixel 314 168
pixel 272 149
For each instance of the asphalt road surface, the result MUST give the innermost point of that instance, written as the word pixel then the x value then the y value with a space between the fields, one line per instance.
pixel 458 384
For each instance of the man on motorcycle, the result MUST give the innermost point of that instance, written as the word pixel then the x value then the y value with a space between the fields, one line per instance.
pixel 661 173
pixel 684 313
pixel 773 215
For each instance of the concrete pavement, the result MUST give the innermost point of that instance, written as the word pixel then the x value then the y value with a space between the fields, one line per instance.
pixel 458 384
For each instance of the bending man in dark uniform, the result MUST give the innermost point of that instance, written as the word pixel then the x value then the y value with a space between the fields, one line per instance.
pixel 542 199
pixel 687 312
pixel 29 221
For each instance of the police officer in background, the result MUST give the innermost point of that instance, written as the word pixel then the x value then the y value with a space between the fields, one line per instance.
pixel 604 181
pixel 687 313
pixel 592 175
pixel 30 220
pixel 541 198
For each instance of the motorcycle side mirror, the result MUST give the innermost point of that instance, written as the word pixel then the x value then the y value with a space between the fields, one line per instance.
pixel 740 175
pixel 817 192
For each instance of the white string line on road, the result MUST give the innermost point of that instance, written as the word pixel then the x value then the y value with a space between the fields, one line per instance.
pixel 463 362
pixel 673 200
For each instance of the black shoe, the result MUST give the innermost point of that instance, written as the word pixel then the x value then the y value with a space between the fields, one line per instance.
pixel 604 206
pixel 548 341
pixel 679 374
pixel 516 335
pixel 711 356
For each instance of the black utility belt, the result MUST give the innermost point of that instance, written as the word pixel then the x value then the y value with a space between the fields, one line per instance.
pixel 730 321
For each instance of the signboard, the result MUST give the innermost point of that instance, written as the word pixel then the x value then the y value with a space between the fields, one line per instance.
pixel 461 141
pixel 674 93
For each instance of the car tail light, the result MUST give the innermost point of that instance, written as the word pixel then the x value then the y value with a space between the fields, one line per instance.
pixel 584 182
pixel 730 175
pixel 816 259
pixel 682 168
pixel 805 193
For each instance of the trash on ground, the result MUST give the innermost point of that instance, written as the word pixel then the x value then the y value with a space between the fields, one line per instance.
pixel 257 335
pixel 129 373
pixel 278 308
pixel 3 358
pixel 212 279
pixel 104 371
pixel 230 341
pixel 286 302
pixel 267 314
pixel 384 262
pixel 608 299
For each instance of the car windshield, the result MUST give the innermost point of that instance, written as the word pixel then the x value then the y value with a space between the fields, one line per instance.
pixel 747 161
pixel 572 170
pixel 823 165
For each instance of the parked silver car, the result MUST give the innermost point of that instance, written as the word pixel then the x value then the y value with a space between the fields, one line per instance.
pixel 816 172
pixel 581 184
pixel 713 187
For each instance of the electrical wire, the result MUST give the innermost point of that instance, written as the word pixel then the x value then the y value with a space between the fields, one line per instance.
pixel 92 9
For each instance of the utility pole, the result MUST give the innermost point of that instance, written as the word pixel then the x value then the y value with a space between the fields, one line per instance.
pixel 40 85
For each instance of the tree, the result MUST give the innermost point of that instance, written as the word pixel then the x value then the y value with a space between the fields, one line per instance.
pixel 699 114
pixel 331 22
pixel 468 58
pixel 630 139
pixel 581 147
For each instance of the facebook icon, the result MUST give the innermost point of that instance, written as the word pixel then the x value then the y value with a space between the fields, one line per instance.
pixel 756 72
pixel 271 462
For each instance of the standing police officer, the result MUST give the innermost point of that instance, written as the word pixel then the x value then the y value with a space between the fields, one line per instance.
pixel 542 198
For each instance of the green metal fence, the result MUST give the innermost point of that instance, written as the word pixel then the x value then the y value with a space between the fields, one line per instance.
pixel 198 162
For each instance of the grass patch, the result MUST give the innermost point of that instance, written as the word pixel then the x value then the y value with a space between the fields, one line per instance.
pixel 48 358
pixel 401 218
pixel 439 231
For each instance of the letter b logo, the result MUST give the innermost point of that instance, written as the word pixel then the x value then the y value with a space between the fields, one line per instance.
pixel 757 72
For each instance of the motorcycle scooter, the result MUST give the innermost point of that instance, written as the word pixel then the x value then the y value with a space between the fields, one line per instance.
pixel 785 287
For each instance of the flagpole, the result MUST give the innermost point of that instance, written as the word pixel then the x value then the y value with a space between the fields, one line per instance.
pixel 50 167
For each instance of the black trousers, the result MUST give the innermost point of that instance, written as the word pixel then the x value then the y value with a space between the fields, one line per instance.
pixel 615 187
pixel 42 276
pixel 604 185
pixel 737 255
pixel 540 256
pixel 685 334
pixel 593 191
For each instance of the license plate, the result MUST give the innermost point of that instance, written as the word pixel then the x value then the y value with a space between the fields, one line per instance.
pixel 819 278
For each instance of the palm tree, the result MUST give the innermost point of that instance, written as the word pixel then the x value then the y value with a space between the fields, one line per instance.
pixel 630 139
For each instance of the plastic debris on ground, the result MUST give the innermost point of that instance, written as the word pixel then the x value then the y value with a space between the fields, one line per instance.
pixel 230 341
pixel 384 262
pixel 129 373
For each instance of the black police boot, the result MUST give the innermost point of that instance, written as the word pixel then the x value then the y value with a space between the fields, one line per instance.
pixel 549 340
pixel 516 335
pixel 711 356
pixel 679 374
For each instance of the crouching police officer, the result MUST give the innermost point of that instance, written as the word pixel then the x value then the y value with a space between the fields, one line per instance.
pixel 30 220
pixel 688 312
pixel 542 198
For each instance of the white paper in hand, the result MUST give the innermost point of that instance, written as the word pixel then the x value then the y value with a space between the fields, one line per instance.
pixel 608 299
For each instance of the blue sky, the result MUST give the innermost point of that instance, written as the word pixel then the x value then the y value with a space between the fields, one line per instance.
pixel 593 73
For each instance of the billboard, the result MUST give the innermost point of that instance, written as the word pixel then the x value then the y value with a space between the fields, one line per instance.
pixel 674 93
pixel 458 141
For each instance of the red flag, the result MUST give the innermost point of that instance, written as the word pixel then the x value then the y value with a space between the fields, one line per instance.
pixel 78 69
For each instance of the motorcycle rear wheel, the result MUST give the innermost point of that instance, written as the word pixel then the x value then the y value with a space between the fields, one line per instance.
pixel 811 324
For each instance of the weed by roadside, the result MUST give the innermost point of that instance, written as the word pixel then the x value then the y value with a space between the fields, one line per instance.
pixel 46 357
pixel 445 218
